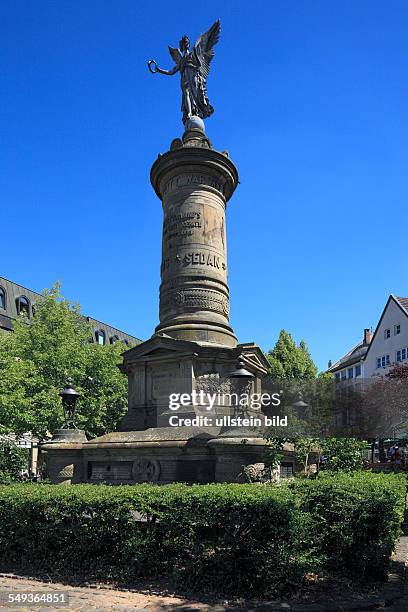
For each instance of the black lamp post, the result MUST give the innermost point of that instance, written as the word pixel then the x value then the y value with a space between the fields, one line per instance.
pixel 300 406
pixel 244 379
pixel 300 403
pixel 69 399
pixel 241 372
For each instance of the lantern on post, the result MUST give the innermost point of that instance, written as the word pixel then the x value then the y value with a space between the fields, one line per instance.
pixel 300 406
pixel 241 372
pixel 69 399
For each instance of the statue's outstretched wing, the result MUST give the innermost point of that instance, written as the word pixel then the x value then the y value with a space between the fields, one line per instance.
pixel 204 47
pixel 175 54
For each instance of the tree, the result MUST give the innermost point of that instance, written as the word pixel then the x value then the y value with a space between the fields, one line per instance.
pixel 305 448
pixel 36 360
pixel 12 461
pixel 342 454
pixel 289 361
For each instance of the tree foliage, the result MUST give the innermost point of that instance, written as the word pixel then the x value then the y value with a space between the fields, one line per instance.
pixel 342 454
pixel 36 360
pixel 12 461
pixel 290 361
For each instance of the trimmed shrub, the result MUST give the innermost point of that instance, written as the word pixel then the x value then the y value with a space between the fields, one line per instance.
pixel 354 520
pixel 234 538
pixel 241 539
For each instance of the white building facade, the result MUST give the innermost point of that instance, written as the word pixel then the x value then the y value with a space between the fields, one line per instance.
pixel 378 352
pixel 389 345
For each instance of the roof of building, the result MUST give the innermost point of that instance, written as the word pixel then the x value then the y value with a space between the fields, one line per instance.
pixel 403 302
pixel 360 351
pixel 356 354
pixel 14 291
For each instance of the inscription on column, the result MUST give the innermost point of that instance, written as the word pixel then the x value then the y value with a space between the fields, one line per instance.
pixel 184 180
pixel 181 224
pixel 195 258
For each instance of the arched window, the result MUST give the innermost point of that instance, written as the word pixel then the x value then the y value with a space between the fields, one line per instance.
pixel 114 339
pixel 23 305
pixel 2 298
pixel 100 336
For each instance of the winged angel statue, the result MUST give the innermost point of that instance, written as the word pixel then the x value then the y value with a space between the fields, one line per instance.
pixel 194 67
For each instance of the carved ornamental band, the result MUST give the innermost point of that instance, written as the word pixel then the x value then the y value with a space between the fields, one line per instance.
pixel 201 299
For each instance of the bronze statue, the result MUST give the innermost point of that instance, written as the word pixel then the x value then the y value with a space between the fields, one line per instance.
pixel 194 67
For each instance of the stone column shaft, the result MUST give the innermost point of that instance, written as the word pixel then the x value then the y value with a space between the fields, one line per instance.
pixel 194 184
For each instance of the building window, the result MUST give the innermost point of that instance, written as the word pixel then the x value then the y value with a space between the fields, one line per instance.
pixel 100 336
pixel 23 306
pixel 125 341
pixel 343 375
pixel 387 334
pixel 397 329
pixel 2 298
pixel 337 376
pixel 383 361
pixel 114 339
pixel 350 373
pixel 402 354
pixel 286 470
pixel 358 370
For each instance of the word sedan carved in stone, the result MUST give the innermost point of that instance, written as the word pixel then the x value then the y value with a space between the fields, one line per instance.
pixel 203 259
pixel 196 259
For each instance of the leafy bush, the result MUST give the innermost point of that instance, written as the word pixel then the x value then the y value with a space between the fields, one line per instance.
pixel 354 521
pixel 236 538
pixel 343 454
pixel 241 539
pixel 12 460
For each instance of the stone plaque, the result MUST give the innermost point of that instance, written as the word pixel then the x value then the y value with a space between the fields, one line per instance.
pixel 146 470
pixel 110 470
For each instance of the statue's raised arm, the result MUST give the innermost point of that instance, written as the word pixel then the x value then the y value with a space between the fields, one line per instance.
pixel 175 54
pixel 194 68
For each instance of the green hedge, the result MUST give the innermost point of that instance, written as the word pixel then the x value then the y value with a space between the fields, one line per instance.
pixel 235 538
pixel 241 539
pixel 354 520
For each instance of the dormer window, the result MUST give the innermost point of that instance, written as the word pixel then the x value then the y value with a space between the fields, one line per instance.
pixel 23 306
pixel 114 339
pixel 2 298
pixel 100 336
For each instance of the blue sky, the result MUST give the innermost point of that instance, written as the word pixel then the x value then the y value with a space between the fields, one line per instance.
pixel 311 102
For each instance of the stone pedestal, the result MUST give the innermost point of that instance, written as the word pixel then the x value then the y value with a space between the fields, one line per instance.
pixel 164 366
pixel 63 456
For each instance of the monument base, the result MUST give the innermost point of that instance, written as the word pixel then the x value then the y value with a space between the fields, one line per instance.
pixel 150 446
